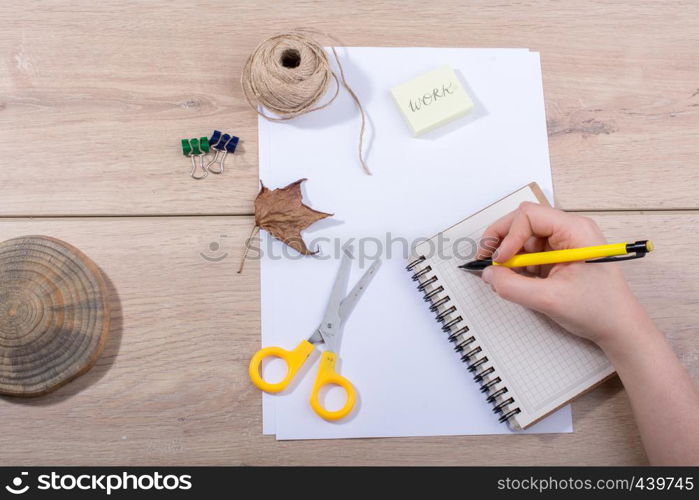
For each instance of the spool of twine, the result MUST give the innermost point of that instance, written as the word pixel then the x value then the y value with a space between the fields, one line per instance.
pixel 289 73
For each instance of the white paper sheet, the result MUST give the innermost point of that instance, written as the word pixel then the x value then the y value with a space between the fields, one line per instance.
pixel 410 381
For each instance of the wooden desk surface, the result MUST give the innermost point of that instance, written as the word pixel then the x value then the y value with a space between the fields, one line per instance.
pixel 92 97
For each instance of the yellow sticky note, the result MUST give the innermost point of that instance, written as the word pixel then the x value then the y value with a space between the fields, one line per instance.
pixel 431 100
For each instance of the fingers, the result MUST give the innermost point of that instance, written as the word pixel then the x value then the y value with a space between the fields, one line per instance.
pixel 535 227
pixel 534 293
pixel 534 244
pixel 530 220
pixel 509 233
pixel 493 235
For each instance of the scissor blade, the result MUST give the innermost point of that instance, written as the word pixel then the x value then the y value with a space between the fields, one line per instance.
pixel 316 338
pixel 347 305
pixel 332 322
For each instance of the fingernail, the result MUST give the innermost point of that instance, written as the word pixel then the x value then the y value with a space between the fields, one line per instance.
pixel 487 274
pixel 495 255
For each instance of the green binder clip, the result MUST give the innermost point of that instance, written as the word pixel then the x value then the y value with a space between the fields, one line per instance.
pixel 196 148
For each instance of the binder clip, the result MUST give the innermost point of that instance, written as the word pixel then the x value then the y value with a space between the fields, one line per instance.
pixel 222 144
pixel 194 148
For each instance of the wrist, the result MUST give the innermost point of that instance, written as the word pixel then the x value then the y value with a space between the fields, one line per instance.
pixel 636 334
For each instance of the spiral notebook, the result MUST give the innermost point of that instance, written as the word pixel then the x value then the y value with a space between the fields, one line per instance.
pixel 526 364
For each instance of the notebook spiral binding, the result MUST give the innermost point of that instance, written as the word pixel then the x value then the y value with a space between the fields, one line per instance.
pixel 465 344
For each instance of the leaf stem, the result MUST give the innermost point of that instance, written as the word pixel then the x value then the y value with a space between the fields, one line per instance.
pixel 247 247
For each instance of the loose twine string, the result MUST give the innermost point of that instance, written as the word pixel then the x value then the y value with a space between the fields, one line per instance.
pixel 289 73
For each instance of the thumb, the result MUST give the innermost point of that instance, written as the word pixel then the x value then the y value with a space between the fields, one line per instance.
pixel 534 293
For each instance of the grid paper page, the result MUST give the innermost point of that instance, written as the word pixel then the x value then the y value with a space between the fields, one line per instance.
pixel 542 365
pixel 539 360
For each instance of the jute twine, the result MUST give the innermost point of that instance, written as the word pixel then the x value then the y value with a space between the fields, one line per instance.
pixel 289 73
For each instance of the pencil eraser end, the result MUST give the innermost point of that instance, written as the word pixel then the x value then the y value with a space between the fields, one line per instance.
pixel 432 100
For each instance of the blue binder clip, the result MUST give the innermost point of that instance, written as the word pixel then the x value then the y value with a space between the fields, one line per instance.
pixel 222 144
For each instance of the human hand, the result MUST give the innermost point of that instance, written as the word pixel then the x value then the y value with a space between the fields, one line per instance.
pixel 593 301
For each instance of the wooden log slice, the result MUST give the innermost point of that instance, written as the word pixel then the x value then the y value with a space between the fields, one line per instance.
pixel 54 314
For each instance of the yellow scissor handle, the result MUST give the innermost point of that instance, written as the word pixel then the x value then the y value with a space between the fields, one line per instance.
pixel 328 376
pixel 294 359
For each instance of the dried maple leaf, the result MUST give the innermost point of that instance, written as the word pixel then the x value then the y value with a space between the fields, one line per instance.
pixel 283 214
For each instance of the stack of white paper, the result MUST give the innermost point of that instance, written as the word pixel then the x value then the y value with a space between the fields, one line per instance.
pixel 410 381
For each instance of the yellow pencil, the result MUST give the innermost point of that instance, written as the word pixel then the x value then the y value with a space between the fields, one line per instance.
pixel 600 253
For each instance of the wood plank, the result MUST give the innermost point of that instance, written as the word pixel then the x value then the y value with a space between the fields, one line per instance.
pixel 92 107
pixel 172 388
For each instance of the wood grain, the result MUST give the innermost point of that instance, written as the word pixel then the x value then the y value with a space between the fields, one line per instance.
pixel 94 99
pixel 171 387
pixel 92 108
pixel 54 315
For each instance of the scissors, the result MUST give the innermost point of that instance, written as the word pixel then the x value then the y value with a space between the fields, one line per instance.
pixel 329 332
